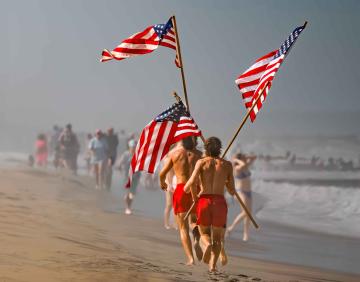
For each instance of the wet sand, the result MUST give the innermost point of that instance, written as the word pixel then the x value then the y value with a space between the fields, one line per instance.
pixel 53 227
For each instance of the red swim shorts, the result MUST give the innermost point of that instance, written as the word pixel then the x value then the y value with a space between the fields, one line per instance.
pixel 182 201
pixel 212 210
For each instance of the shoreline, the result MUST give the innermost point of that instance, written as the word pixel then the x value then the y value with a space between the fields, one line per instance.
pixel 53 226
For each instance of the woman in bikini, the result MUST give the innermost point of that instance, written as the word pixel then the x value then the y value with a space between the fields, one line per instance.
pixel 242 175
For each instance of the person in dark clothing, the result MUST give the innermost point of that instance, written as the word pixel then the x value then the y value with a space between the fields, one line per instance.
pixel 69 147
pixel 113 142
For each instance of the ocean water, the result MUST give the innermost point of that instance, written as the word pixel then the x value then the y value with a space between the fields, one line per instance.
pixel 318 200
pixel 319 203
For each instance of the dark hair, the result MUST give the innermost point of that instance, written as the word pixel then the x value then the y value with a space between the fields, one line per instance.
pixel 213 147
pixel 69 126
pixel 188 143
pixel 239 156
pixel 41 136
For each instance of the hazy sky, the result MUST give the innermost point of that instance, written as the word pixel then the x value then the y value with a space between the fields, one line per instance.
pixel 50 70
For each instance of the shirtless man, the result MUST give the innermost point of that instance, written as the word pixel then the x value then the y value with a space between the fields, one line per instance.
pixel 182 160
pixel 215 174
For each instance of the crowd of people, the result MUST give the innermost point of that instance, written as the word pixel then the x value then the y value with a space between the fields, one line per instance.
pixel 291 161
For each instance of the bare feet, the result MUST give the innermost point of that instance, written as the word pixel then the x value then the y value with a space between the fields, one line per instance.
pixel 198 250
pixel 212 269
pixel 190 262
pixel 223 257
pixel 167 227
pixel 128 211
pixel 246 237
pixel 207 254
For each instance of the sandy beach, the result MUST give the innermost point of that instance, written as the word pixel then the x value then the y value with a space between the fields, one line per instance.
pixel 53 228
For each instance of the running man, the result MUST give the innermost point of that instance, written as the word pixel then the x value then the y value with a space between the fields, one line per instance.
pixel 215 173
pixel 182 160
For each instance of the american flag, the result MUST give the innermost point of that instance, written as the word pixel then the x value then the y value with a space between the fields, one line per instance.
pixel 145 42
pixel 167 128
pixel 261 74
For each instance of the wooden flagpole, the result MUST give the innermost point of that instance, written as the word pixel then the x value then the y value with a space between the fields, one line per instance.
pixel 178 52
pixel 244 120
pixel 248 113
pixel 179 99
pixel 248 213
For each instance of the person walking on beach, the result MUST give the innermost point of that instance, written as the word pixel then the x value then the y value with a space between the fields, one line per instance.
pixel 113 142
pixel 99 148
pixel 41 150
pixel 182 160
pixel 215 173
pixel 70 148
pixel 169 193
pixel 242 173
pixel 87 157
pixel 54 139
pixel 124 166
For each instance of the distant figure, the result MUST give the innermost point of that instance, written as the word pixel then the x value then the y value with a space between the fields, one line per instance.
pixel 31 161
pixel 292 160
pixel 87 157
pixel 69 148
pixel 124 166
pixel 242 174
pixel 113 142
pixel 41 150
pixel 331 165
pixel 54 139
pixel 99 148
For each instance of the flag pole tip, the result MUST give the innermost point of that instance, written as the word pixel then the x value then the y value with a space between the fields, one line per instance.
pixel 176 96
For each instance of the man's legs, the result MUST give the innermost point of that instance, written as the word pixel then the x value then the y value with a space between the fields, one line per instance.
pixel 216 246
pixel 185 237
pixel 196 236
pixel 205 232
pixel 223 256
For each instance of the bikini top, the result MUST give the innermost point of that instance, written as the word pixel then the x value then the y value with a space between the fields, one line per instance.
pixel 243 174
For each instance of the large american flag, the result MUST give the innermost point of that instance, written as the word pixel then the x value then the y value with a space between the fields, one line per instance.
pixel 167 128
pixel 145 42
pixel 252 82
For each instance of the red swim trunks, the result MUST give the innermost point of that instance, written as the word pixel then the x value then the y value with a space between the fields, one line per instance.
pixel 182 201
pixel 212 210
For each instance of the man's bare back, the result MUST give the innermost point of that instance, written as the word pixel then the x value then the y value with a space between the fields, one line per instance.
pixel 215 174
pixel 183 162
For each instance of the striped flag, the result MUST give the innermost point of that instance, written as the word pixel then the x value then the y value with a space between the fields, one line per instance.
pixel 145 42
pixel 261 74
pixel 167 128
